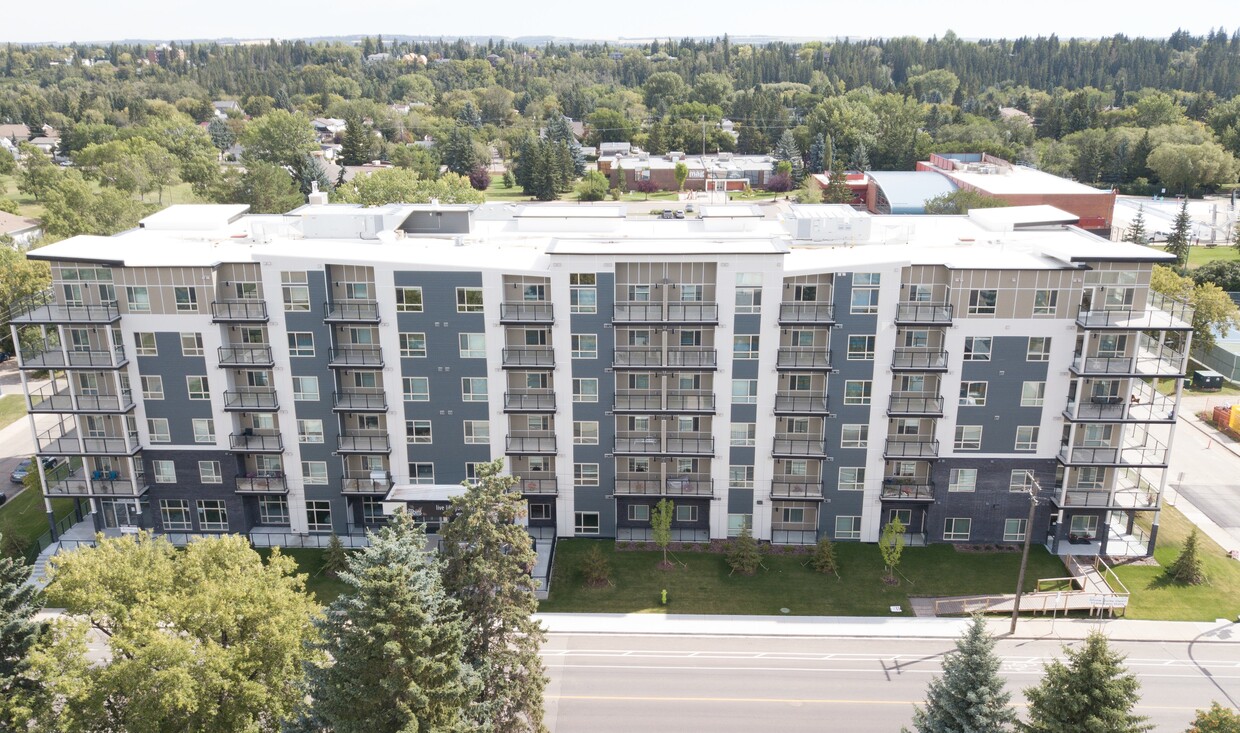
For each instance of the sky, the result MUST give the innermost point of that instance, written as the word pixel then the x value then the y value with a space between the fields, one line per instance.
pixel 93 20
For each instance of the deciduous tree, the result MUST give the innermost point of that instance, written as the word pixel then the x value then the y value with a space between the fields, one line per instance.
pixel 1215 719
pixel 891 546
pixel 280 138
pixel 1214 311
pixel 661 516
pixel 961 201
pixel 399 185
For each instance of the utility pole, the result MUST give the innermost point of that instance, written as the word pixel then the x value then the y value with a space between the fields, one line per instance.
pixel 703 136
pixel 1034 489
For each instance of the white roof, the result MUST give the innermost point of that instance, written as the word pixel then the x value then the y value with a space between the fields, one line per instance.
pixel 194 217
pixel 1020 179
pixel 424 492
pixel 1011 217
pixel 569 211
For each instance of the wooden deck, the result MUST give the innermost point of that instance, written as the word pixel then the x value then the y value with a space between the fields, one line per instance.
pixel 1090 586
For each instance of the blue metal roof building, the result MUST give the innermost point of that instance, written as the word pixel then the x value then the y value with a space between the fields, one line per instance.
pixel 906 192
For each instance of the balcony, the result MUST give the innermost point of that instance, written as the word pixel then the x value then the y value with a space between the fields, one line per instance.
pixel 806 312
pixel 251 399
pixel 238 311
pixel 635 444
pixel 915 404
pixel 924 314
pixel 910 448
pixel 352 357
pixel 682 444
pixel 42 309
pixel 803 357
pixel 1158 361
pixel 808 487
pixel 47 399
pixel 351 311
pixel 902 489
pixel 528 357
pixel 800 403
pixel 255 355
pixel 538 482
pixel 637 312
pixel 1147 456
pixel 649 484
pixel 691 357
pixel 1163 314
pixel 919 360
pixel 536 443
pixel 363 441
pixel 798 445
pixel 359 400
pixel 692 312
pixel 365 482
pixel 526 312
pixel 63 440
pixel 101 483
pixel 248 441
pixel 529 400
pixel 259 484
pixel 53 357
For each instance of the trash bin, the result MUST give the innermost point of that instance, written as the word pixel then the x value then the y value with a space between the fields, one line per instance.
pixel 1206 380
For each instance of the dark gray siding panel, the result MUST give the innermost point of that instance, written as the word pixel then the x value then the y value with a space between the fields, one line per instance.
pixel 176 406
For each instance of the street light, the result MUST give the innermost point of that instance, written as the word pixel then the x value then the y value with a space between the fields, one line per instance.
pixel 1034 489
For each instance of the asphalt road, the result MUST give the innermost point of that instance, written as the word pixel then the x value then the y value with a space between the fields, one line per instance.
pixel 1204 472
pixel 16 442
pixel 623 683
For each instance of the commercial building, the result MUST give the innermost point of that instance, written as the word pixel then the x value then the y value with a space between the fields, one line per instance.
pixel 811 376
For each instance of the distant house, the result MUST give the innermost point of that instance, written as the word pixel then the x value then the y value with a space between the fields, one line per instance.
pixel 21 229
pixel 494 59
pixel 47 144
pixel 375 58
pixel 18 132
pixel 225 106
pixel 614 149
pixel 724 171
pixel 328 127
pixel 1009 113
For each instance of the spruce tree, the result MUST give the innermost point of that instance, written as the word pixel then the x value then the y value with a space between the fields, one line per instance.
pixel 1092 692
pixel 837 190
pixel 458 152
pixel 970 695
pixel 1177 242
pixel 860 159
pixel 818 154
pixel 19 602
pixel 356 144
pixel 824 560
pixel 391 644
pixel 744 556
pixel 1187 567
pixel 560 131
pixel 487 562
pixel 1136 228
pixel 786 150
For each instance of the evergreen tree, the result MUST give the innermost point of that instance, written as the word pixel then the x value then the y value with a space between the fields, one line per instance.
pixel 311 171
pixel 487 560
pixel 860 160
pixel 1187 567
pixel 824 560
pixel 818 154
pixel 970 695
pixel 786 150
pixel 222 136
pixel 391 644
pixel 469 116
pixel 282 99
pixel 459 154
pixel 744 556
pixel 356 145
pixel 335 557
pixel 1178 240
pixel 837 190
pixel 19 602
pixel 595 567
pixel 1092 692
pixel 560 131
pixel 1136 228
pixel 1137 160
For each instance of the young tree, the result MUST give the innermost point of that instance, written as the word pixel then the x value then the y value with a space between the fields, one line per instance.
pixel 661 515
pixel 891 546
pixel 222 136
pixel 1187 567
pixel 390 653
pixel 808 194
pixel 19 602
pixel 480 178
pixel 1136 228
pixel 335 557
pixel 1217 719
pixel 1178 240
pixel 1092 692
pixel 682 174
pixel 744 556
pixel 824 559
pixel 595 567
pixel 646 187
pixel 593 187
pixel 970 695
pixel 487 560
pixel 508 179
pixel 1235 239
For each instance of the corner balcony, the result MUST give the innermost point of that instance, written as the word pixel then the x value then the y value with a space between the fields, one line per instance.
pixel 526 312
pixel 365 482
pixel 924 314
pixel 63 439
pixel 919 360
pixel 1142 405
pixel 43 309
pixel 800 403
pixel 798 445
pixel 915 404
pixel 533 443
pixel 649 484
pixel 52 356
pixel 528 357
pixel 254 483
pixel 96 483
pixel 810 358
pixel 246 357
pixel 363 441
pixel 806 312
pixel 251 399
pixel 353 357
pixel 47 399
pixel 359 400
pixel 249 441
pixel 1162 314
pixel 808 488
pixel 900 489
pixel 351 311
pixel 529 400
pixel 1151 455
pixel 910 448
pixel 238 311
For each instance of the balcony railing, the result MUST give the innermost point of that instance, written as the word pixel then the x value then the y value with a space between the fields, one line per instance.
pixel 63 439
pixel 363 442
pixel 365 482
pixel 540 443
pixel 102 483
pixel 356 356
pixel 807 489
pixel 46 399
pixel 351 311
pixel 538 482
pixel 902 448
pixel 803 357
pixel 224 311
pixel 692 312
pixel 924 313
pixel 1154 456
pixel 899 490
pixel 795 444
pixel 528 356
pixel 254 355
pixel 638 444
pixel 1143 404
pixel 43 308
pixel 644 356
pixel 637 312
pixel 691 357
pixel 359 400
pixel 526 312
pixel 248 441
pixel 1163 314
pixel 917 359
pixel 256 484
pixel 53 357
pixel 915 403
pixel 251 400
pixel 529 400
pixel 806 312
pixel 649 484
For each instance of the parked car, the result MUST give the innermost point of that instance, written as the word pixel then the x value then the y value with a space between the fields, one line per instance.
pixel 19 474
pixel 679 214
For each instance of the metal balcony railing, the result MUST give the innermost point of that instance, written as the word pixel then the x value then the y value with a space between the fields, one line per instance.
pixel 795 444
pixel 806 312
pixel 526 312
pixel 351 311
pixel 915 403
pixel 52 356
pixel 224 311
pixel 803 357
pixel 359 400
pixel 924 313
pixel 363 442
pixel 692 312
pixel 539 443
pixel 537 482
pixel 528 357
pixel 253 355
pixel 43 308
pixel 260 484
pixel 918 359
pixel 907 448
pixel 809 488
pixel 901 490
pixel 1154 456
pixel 529 400
pixel 248 441
pixel 649 484
pixel 365 482
pixel 1163 314
pixel 356 356
pixel 47 399
pixel 637 312
pixel 801 403
pixel 253 399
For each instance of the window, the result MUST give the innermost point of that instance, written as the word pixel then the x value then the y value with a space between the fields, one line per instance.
pixel 198 388
pixel 582 297
pixel 982 302
pixel 306 389
pixel 165 472
pixel 865 293
pixel 319 516
pixel 158 428
pixel 744 391
pixel 1045 302
pixel 852 479
pixel 857 391
pixel 409 300
pixel 737 523
pixel 860 348
pixel 413 345
pixel 962 479
pixel 639 512
pixel 920 293
pixel 152 388
pixel 300 343
pixel 1032 394
pixel 314 473
pixel 1027 437
pixel 745 347
pixel 968 437
pixel 957 528
pixel 1014 530
pixel 209 472
pixel 469 300
pixel 540 511
pixel 477 431
pixel 686 513
pixel 139 300
pixel 273 510
pixel 1039 349
pixel 585 474
pixel 204 430
pixel 585 432
pixel 743 434
pixel 1084 525
pixel 174 514
pixel 144 344
pixel 977 348
pixel 474 389
pixel 296 292
pixel 847 528
pixel 473 345
pixel 854 436
pixel 740 477
pixel 309 431
pixel 972 394
pixel 186 299
pixel 418 431
pixel 191 344
pixel 748 292
pixel 585 522
pixel 585 346
pixel 585 390
pixel 422 473
pixel 1021 480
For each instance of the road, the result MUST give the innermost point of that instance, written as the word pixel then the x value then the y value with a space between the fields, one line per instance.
pixel 721 684
pixel 16 442
pixel 1214 214
pixel 1210 473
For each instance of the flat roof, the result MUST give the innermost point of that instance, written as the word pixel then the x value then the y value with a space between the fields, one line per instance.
pixel 424 492
pixel 908 191
pixel 194 217
pixel 569 211
pixel 1014 217
pixel 1019 179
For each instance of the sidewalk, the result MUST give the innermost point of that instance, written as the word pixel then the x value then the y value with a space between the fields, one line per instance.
pixel 1223 630
pixel 1174 498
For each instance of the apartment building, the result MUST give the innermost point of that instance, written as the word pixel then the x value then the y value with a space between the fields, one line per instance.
pixel 812 375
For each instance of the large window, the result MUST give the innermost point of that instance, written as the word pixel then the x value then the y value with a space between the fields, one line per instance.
pixel 319 516
pixel 198 388
pixel 209 472
pixel 857 391
pixel 416 389
pixel 1039 349
pixel 273 510
pixel 418 431
pixel 1027 438
pixel 982 302
pixel 300 343
pixel 854 436
pixel 957 528
pixel 585 523
pixel 686 513
pixel 744 391
pixel 583 297
pixel 585 474
pixel 139 300
pixel 740 477
pixel 962 479
pixel 972 394
pixel 413 345
pixel 585 432
pixel 639 512
pixel 204 430
pixel 306 389
pixel 422 473
pixel 743 434
pixel 477 431
pixel 1021 480
pixel 174 515
pixel 748 292
pixel 860 348
pixel 309 431
pixel 1045 302
pixel 968 437
pixel 847 528
pixel 212 515
pixel 186 299
pixel 165 472
pixel 852 478
pixel 1014 530
pixel 191 344
pixel 158 428
pixel 474 389
pixel 409 300
pixel 864 293
pixel 1032 394
pixel 585 390
pixel 144 344
pixel 977 348
pixel 473 345
pixel 152 387
pixel 314 473
pixel 469 300
pixel 295 291
pixel 745 347
pixel 584 346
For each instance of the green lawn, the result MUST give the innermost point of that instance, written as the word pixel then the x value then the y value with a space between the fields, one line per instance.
pixel 25 517
pixel 1153 597
pixel 310 561
pixel 1200 254
pixel 12 408
pixel 704 586
pixel 496 193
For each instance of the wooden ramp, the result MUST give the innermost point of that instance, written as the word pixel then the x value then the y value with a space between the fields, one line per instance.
pixel 1092 586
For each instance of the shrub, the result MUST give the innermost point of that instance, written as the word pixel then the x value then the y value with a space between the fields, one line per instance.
pixel 596 567
pixel 479 178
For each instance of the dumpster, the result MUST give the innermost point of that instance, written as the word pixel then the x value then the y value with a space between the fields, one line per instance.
pixel 1207 381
